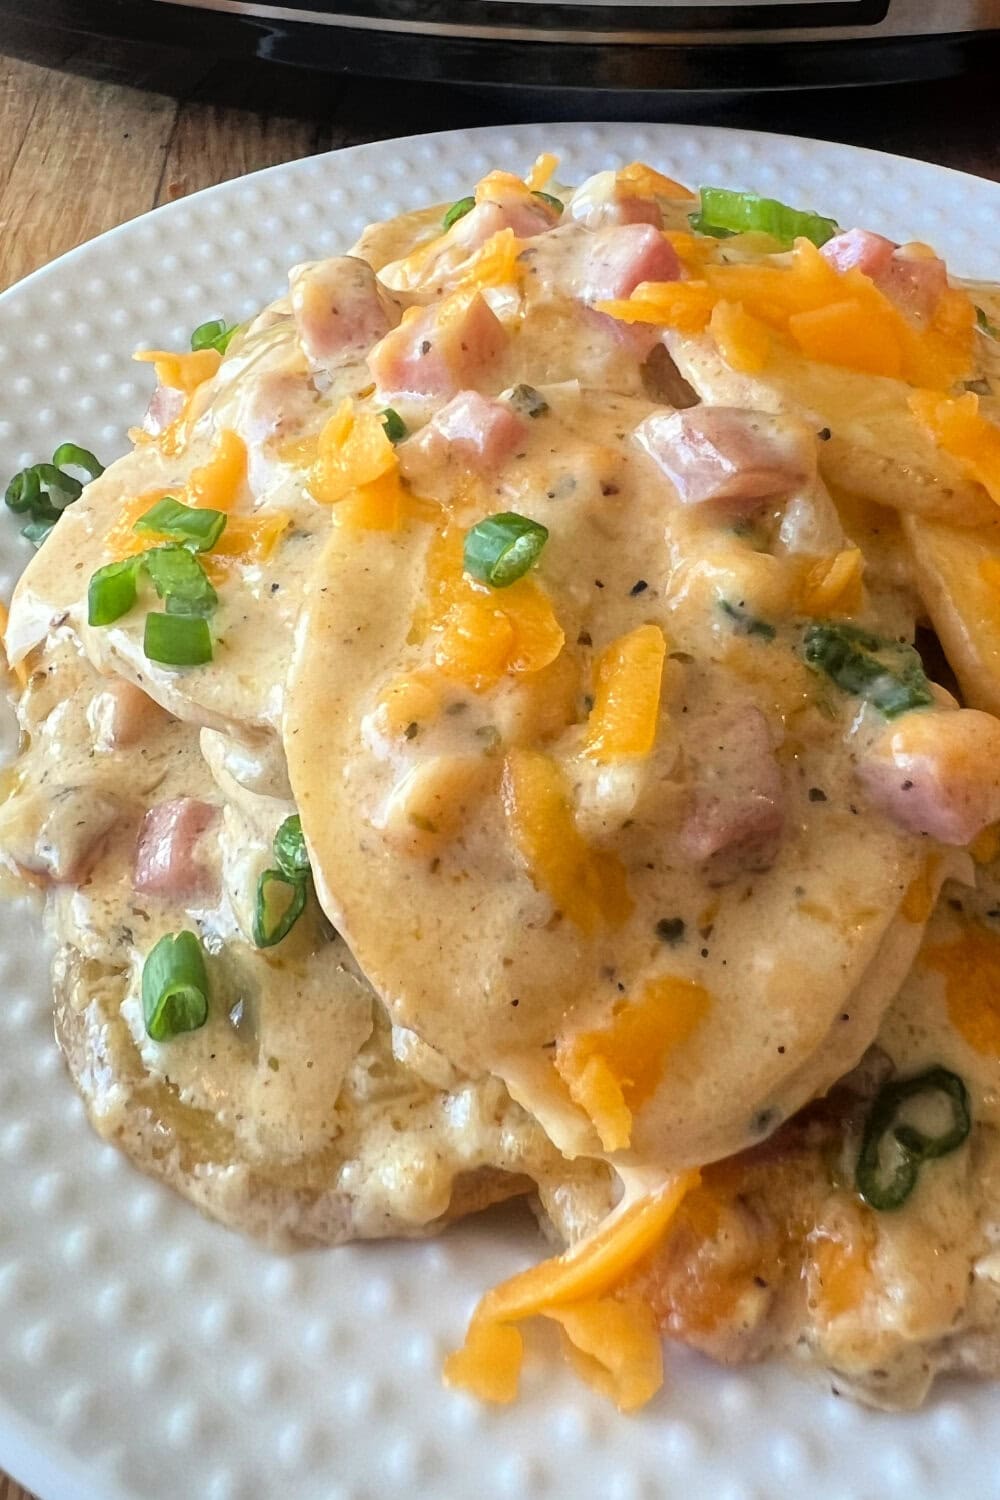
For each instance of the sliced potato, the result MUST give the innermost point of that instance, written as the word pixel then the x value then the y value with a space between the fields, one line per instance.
pixel 958 574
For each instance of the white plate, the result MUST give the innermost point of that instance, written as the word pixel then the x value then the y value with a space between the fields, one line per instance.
pixel 146 1354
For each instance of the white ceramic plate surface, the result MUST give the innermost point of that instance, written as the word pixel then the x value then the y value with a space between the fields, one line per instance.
pixel 146 1354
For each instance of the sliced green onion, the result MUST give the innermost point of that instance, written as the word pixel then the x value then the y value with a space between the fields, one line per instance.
pixel 725 212
pixel 395 427
pixel 112 591
pixel 528 401
pixel 179 579
pixel 197 529
pixel 985 325
pixel 71 455
pixel 280 903
pixel 177 640
pixel 214 334
pixel 892 1154
pixel 555 203
pixel 458 211
pixel 888 674
pixel 43 491
pixel 745 623
pixel 174 987
pixel 290 851
pixel 501 549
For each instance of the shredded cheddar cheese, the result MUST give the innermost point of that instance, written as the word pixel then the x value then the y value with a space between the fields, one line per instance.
pixel 970 967
pixel 836 317
pixel 542 171
pixel 832 585
pixel 216 484
pixel 588 886
pixel 182 372
pixel 627 695
pixel 494 263
pixel 575 1289
pixel 353 450
pixel 743 340
pixel 958 426
pixel 645 182
pixel 631 1052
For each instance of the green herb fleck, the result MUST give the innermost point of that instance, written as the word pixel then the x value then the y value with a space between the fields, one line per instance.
pixel 887 674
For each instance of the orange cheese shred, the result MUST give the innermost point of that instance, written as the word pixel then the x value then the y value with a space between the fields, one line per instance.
pixel 834 317
pixel 216 484
pixel 743 340
pixel 646 182
pixel 182 372
pixel 684 305
pixel 958 426
pixel 588 886
pixel 542 171
pixel 970 967
pixel 631 1051
pixel 353 451
pixel 832 585
pixel 494 263
pixel 573 1290
pixel 626 708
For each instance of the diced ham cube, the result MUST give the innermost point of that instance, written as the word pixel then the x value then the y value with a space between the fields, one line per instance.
pixel 165 406
pixel 166 855
pixel 911 277
pixel 121 715
pixel 937 772
pixel 340 309
pixel 479 432
pixel 439 350
pixel 914 281
pixel 602 202
pixel 869 253
pixel 729 459
pixel 737 814
pixel 618 259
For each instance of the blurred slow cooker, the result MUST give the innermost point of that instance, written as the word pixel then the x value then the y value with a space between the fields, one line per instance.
pixel 552 44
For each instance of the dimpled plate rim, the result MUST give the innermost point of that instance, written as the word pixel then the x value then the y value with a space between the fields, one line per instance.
pixel 147 1354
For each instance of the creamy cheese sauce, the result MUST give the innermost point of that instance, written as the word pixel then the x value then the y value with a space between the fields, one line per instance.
pixel 618 882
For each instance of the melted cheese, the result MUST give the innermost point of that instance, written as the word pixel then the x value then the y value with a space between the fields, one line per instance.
pixel 573 1288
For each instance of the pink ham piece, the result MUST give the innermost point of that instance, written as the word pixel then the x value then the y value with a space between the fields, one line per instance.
pixel 729 459
pixel 166 854
pixel 915 282
pixel 165 406
pixel 437 351
pixel 508 209
pixel 737 814
pixel 909 276
pixel 618 259
pixel 937 772
pixel 869 253
pixel 340 309
pixel 477 431
pixel 121 715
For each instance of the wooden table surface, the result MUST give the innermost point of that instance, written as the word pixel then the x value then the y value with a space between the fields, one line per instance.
pixel 83 151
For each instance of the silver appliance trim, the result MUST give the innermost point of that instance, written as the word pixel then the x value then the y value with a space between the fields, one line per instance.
pixel 906 18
